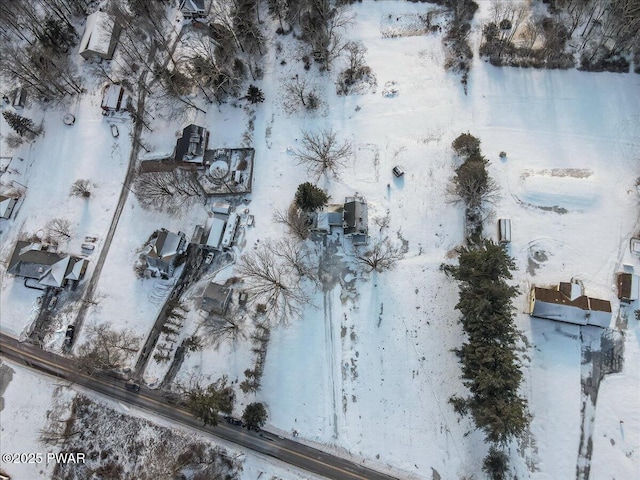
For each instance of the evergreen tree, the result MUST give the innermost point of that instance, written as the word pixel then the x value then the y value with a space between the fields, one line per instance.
pixel 496 464
pixel 254 94
pixel 20 124
pixel 309 197
pixel 490 368
pixel 255 415
pixel 206 403
pixel 466 145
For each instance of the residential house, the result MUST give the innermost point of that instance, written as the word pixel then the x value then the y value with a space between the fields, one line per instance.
pixel 100 36
pixel 216 298
pixel 191 146
pixel 7 205
pixel 568 304
pixel 193 8
pixel 51 269
pixel 163 249
pixel 628 287
pixel 355 220
pixel 114 99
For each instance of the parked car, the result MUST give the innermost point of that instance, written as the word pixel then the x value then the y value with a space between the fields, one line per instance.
pixel 114 130
pixel 71 333
pixel 52 303
pixel 88 247
pixel 132 387
pixel 90 238
pixel 209 258
pixel 398 171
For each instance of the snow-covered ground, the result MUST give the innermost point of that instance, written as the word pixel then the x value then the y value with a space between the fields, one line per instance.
pixel 368 369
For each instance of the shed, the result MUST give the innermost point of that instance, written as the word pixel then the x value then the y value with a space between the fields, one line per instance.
pixel 20 99
pixel 216 298
pixel 628 287
pixel 100 36
pixel 504 230
pixel 114 98
pixel 215 233
pixel 7 204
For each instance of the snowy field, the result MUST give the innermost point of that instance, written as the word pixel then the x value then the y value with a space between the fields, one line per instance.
pixel 368 369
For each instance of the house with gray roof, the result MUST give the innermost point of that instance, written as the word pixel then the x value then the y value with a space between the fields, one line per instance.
pixel 163 250
pixel 49 269
pixel 355 220
pixel 191 146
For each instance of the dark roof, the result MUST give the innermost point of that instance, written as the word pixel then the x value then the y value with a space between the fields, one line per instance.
pixel 193 142
pixel 583 302
pixel 216 297
pixel 355 217
pixel 28 260
pixel 624 285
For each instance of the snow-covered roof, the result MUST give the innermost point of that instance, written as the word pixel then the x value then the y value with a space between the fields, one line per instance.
pixel 215 234
pixel 6 206
pixel 56 275
pixel 114 98
pixel 166 245
pixel 98 34
pixel 192 6
pixel 556 304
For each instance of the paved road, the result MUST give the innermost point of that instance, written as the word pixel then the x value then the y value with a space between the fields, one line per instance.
pixel 266 443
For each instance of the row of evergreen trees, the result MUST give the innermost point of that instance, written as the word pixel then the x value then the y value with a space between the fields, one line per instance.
pixel 490 366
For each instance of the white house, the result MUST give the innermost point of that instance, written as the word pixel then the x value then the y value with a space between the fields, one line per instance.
pixel 100 36
pixel 568 304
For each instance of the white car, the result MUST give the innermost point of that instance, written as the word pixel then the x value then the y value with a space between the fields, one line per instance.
pixel 209 258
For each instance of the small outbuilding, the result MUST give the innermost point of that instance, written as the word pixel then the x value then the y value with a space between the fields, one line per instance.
pixel 193 8
pixel 504 230
pixel 7 204
pixel 216 298
pixel 628 287
pixel 100 36
pixel 114 99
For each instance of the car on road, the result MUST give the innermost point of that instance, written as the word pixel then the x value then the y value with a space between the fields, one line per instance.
pixel 398 171
pixel 132 387
pixel 233 421
pixel 71 333
pixel 209 258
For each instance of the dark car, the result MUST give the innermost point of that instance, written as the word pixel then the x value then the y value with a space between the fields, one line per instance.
pixel 132 387
pixel 233 421
pixel 68 338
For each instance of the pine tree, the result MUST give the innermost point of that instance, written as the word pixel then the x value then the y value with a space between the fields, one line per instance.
pixel 254 94
pixel 496 464
pixel 20 124
pixel 255 415
pixel 206 403
pixel 309 197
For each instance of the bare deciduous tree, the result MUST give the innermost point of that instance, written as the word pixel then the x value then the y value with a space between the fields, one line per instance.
pixel 106 349
pixel 299 92
pixel 270 281
pixel 296 256
pixel 380 256
pixel 219 328
pixel 295 219
pixel 168 191
pixel 81 188
pixel 323 153
pixel 59 229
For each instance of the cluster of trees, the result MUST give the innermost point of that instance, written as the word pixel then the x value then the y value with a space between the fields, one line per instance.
pixel 490 367
pixel 456 41
pixel 168 191
pixel 320 24
pixel 472 183
pixel 34 40
pixel 208 403
pixel 607 32
pixel 106 349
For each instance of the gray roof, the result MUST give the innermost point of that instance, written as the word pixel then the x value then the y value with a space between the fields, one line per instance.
pixel 216 298
pixel 49 268
pixel 355 217
pixel 165 245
